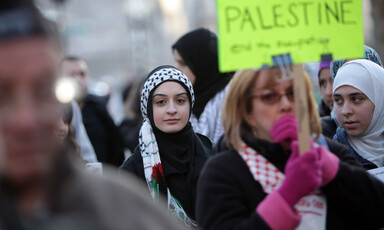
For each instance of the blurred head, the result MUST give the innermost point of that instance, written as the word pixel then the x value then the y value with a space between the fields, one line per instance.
pixel 255 101
pixel 196 56
pixel 78 69
pixel 181 65
pixel 358 98
pixel 61 130
pixel 29 110
pixel 325 83
pixel 64 126
pixel 131 97
pixel 167 99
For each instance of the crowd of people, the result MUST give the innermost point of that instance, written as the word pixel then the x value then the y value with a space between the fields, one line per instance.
pixel 209 150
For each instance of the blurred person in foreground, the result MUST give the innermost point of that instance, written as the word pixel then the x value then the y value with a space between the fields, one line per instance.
pixel 261 181
pixel 40 188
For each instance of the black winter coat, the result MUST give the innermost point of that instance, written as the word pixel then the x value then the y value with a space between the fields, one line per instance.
pixel 228 194
pixel 329 126
pixel 176 182
pixel 102 131
pixel 324 110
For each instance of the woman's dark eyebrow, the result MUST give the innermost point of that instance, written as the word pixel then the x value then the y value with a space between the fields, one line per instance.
pixel 179 94
pixel 159 95
pixel 351 94
pixel 165 95
pixel 356 94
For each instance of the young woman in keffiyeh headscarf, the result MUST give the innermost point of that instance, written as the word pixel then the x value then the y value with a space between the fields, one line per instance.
pixel 170 154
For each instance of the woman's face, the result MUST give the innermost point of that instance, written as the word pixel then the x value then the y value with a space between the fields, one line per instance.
pixel 353 109
pixel 270 101
pixel 180 64
pixel 325 80
pixel 171 107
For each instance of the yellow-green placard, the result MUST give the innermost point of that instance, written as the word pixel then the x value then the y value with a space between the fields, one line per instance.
pixel 252 31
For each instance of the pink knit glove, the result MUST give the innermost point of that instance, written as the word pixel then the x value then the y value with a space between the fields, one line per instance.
pixel 285 129
pixel 329 165
pixel 277 213
pixel 303 175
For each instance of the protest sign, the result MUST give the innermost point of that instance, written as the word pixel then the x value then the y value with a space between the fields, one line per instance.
pixel 251 32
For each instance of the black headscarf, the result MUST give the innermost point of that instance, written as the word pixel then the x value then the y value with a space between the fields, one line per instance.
pixel 198 49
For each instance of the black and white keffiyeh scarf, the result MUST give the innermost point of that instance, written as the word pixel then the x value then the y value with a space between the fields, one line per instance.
pixel 149 148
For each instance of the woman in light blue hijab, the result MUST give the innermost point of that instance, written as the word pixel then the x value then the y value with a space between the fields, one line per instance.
pixel 359 107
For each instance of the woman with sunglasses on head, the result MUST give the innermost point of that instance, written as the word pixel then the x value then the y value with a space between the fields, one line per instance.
pixel 261 182
pixel 170 154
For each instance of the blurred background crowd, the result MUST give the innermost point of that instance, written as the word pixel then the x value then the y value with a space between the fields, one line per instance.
pixel 124 39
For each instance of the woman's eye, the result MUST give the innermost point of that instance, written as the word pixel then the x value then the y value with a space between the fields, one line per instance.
pixel 160 102
pixel 269 97
pixel 337 100
pixel 323 83
pixel 180 101
pixel 357 99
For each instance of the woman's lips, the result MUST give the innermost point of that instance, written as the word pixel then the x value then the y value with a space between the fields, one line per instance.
pixel 171 121
pixel 350 124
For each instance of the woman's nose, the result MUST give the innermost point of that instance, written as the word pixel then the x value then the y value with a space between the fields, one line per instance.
pixel 172 107
pixel 346 110
pixel 285 104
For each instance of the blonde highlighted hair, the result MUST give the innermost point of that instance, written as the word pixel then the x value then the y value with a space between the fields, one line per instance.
pixel 238 104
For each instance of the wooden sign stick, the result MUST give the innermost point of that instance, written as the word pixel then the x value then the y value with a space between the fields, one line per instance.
pixel 302 111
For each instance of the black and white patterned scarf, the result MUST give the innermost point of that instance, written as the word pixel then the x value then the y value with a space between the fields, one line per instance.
pixel 149 149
